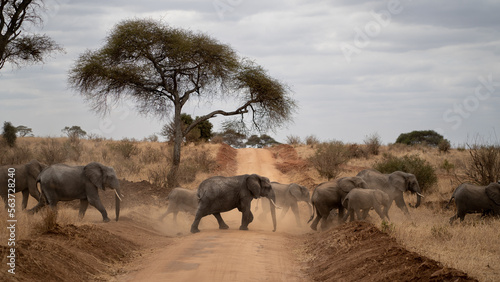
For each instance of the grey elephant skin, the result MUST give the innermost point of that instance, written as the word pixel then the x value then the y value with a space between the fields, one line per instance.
pixel 220 194
pixel 62 182
pixel 365 200
pixel 25 180
pixel 394 184
pixel 471 198
pixel 287 197
pixel 181 200
pixel 329 195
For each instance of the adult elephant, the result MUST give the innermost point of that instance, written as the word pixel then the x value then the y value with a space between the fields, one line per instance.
pixel 329 195
pixel 220 194
pixel 62 182
pixel 181 200
pixel 24 180
pixel 288 196
pixel 365 200
pixel 471 198
pixel 394 184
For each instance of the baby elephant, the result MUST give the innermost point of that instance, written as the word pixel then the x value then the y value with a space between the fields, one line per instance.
pixel 181 199
pixel 365 199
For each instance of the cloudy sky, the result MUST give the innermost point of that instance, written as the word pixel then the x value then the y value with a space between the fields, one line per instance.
pixel 356 68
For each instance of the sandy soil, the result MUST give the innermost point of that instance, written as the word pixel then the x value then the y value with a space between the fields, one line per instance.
pixel 227 255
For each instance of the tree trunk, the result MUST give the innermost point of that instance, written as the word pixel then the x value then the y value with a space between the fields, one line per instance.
pixel 172 177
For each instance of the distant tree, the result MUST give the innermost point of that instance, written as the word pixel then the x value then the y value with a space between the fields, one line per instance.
pixel 260 141
pixel 74 132
pixel 24 131
pixel 373 144
pixel 16 46
pixel 232 134
pixel 161 68
pixel 429 137
pixel 203 131
pixel 9 134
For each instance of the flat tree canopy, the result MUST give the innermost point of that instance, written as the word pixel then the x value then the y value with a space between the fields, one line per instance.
pixel 161 67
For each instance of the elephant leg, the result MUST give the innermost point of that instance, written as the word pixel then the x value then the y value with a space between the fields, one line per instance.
pixel 378 210
pixel 453 218
pixel 295 210
pixel 400 203
pixel 314 224
pixel 26 195
pixel 359 215
pixel 84 203
pixel 196 222
pixel 222 224
pixel 284 210
pixel 96 202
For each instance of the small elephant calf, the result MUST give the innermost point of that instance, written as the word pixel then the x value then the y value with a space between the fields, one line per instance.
pixel 366 199
pixel 181 199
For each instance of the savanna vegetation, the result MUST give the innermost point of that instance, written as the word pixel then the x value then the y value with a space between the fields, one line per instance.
pixel 471 246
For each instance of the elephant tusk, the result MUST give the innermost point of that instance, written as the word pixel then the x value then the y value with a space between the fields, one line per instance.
pixel 278 207
pixel 118 195
pixel 420 195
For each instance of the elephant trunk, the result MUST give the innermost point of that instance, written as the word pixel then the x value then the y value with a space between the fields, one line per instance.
pixel 272 200
pixel 419 199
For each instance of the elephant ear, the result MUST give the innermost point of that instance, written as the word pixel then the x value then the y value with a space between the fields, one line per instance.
pixel 295 190
pixel 398 179
pixel 493 192
pixel 346 184
pixel 94 173
pixel 253 185
pixel 34 168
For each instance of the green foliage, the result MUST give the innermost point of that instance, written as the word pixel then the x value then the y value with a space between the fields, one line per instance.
pixel 444 146
pixel 329 157
pixel 260 141
pixel 9 134
pixel 423 171
pixel 202 131
pixel 428 137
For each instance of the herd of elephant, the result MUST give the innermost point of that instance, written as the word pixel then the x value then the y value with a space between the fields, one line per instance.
pixel 357 195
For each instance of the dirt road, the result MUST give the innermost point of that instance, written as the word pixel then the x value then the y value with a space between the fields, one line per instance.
pixel 228 255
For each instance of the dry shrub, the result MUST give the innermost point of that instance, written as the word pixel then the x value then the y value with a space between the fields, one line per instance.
pixel 157 175
pixel 329 157
pixel 293 140
pixel 151 155
pixel 18 154
pixel 48 222
pixel 125 148
pixel 51 151
pixel 483 164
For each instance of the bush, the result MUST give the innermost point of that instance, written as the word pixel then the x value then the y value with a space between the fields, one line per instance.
pixel 312 140
pixel 373 144
pixel 444 146
pixel 9 134
pixel 126 148
pixel 52 151
pixel 483 165
pixel 293 140
pixel 329 157
pixel 428 137
pixel 423 171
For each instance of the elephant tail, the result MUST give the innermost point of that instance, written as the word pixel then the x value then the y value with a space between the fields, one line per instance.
pixel 43 199
pixel 451 199
pixel 313 213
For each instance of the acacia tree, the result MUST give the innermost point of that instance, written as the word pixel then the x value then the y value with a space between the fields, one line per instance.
pixel 161 68
pixel 16 46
